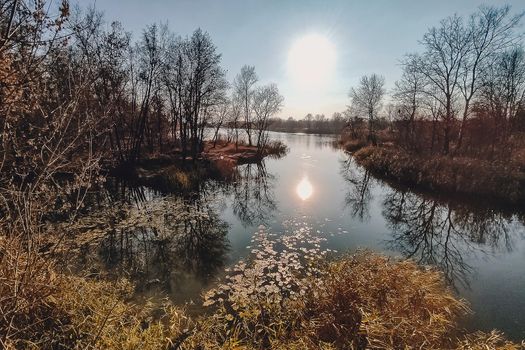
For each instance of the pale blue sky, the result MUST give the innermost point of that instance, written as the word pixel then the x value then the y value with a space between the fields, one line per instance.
pixel 369 36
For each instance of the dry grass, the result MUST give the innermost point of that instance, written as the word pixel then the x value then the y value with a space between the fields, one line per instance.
pixel 40 309
pixel 356 302
pixel 363 301
pixel 372 300
pixel 488 341
pixel 26 282
pixel 504 180
pixel 353 144
pixel 275 149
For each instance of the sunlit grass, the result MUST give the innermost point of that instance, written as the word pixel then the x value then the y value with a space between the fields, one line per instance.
pixel 286 295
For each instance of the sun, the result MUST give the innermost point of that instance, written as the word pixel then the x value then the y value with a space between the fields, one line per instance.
pixel 311 61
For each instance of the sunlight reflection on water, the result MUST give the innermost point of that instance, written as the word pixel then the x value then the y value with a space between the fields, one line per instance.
pixel 304 189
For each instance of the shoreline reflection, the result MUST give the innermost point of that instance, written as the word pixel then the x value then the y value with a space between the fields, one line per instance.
pixel 429 230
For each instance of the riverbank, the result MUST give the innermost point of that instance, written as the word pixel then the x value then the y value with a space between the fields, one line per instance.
pixel 358 301
pixel 392 303
pixel 500 180
pixel 309 131
pixel 227 155
pixel 170 172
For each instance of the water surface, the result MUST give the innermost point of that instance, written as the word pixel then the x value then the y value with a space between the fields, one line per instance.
pixel 177 245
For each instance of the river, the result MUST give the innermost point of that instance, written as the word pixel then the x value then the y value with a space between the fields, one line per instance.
pixel 178 245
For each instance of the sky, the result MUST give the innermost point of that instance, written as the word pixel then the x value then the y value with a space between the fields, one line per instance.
pixel 361 37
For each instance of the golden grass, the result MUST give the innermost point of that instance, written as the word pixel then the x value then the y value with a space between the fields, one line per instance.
pixel 40 309
pixel 88 314
pixel 356 302
pixel 487 341
pixel 397 304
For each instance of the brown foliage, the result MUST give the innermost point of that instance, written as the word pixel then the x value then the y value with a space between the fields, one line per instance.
pixel 379 303
pixel 504 180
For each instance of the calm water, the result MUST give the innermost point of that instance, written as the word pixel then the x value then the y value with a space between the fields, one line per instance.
pixel 178 245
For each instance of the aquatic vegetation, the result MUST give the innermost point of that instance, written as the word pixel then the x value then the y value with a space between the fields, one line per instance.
pixel 290 296
pixel 275 149
pixel 281 267
pixel 159 244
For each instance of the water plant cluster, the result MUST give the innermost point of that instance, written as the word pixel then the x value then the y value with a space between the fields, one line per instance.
pixel 281 267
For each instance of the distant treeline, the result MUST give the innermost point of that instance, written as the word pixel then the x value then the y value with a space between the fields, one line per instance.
pixel 310 124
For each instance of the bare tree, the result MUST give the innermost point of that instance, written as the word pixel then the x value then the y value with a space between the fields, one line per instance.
pixel 220 114
pixel 408 94
pixel 151 51
pixel 207 85
pixel 502 94
pixel 234 118
pixel 366 99
pixel 244 89
pixel 450 69
pixel 489 30
pixel 442 65
pixel 267 101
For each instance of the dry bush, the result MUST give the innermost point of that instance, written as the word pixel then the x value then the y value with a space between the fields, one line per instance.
pixel 275 149
pixel 380 303
pixel 504 180
pixel 352 145
pixel 487 341
pixel 26 282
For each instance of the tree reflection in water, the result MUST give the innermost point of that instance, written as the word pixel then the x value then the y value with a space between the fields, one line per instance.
pixel 162 243
pixel 358 196
pixel 253 196
pixel 445 234
pixel 173 243
pixel 427 232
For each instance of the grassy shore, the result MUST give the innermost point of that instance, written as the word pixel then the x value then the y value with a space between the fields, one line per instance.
pixel 502 180
pixel 355 302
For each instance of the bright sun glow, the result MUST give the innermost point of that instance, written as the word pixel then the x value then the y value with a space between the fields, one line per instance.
pixel 311 61
pixel 304 189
